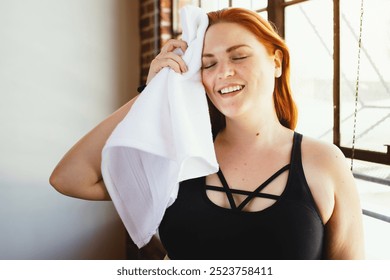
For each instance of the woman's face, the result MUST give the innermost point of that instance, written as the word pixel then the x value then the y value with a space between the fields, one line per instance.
pixel 237 71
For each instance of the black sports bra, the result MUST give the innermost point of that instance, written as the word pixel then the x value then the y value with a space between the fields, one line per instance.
pixel 194 227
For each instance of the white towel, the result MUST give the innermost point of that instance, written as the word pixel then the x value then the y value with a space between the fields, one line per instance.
pixel 165 139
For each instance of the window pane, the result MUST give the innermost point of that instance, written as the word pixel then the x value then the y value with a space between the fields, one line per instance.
pixel 220 4
pixel 264 15
pixel 259 4
pixel 177 5
pixel 376 236
pixel 250 4
pixel 213 6
pixel 208 5
pixel 242 3
pixel 373 120
pixel 309 35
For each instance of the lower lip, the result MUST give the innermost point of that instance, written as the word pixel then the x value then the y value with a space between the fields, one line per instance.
pixel 231 94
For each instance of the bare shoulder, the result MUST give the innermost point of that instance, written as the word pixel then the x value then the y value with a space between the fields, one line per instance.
pixel 326 156
pixel 325 160
pixel 325 166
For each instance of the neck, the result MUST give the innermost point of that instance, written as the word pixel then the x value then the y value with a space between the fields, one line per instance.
pixel 258 130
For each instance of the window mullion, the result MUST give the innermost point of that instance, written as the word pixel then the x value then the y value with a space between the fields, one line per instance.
pixel 336 72
pixel 275 11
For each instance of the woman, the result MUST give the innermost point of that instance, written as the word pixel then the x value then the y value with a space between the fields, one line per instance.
pixel 277 195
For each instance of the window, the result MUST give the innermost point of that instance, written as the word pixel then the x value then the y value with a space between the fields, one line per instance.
pixel 257 5
pixel 312 65
pixel 373 124
pixel 317 90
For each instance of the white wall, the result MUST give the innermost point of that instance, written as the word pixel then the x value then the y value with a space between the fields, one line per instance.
pixel 64 66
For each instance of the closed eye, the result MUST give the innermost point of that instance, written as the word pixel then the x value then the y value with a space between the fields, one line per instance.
pixel 207 66
pixel 239 57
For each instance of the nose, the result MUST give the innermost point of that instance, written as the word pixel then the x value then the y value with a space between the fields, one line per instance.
pixel 225 70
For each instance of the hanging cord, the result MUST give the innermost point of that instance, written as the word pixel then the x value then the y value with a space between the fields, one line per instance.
pixel 357 85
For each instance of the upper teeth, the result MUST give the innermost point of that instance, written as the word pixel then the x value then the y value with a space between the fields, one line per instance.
pixel 230 89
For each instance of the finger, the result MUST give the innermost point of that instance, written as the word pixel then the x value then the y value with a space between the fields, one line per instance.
pixel 173 44
pixel 159 63
pixel 168 62
pixel 175 57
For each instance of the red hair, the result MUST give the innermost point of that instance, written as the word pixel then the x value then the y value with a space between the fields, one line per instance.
pixel 285 107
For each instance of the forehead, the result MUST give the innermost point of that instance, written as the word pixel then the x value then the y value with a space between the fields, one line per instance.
pixel 223 35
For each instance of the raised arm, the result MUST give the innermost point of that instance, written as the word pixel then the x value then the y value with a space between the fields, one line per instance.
pixel 78 173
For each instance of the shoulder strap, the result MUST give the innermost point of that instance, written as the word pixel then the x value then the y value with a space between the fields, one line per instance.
pixel 296 149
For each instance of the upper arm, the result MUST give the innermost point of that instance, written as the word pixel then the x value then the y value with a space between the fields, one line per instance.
pixel 78 173
pixel 344 230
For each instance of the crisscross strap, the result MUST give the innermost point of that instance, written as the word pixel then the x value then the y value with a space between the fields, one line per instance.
pixel 242 192
pixel 262 186
pixel 227 189
pixel 250 195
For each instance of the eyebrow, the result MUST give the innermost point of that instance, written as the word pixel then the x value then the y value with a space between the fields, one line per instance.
pixel 228 50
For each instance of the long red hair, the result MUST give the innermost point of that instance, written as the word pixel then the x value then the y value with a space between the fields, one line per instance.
pixel 285 107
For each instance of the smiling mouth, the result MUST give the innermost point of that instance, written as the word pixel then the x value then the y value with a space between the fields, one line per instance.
pixel 231 89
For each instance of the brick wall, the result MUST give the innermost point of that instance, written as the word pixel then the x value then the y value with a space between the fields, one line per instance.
pixel 166 21
pixel 155 30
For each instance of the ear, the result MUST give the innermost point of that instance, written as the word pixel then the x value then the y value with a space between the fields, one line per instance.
pixel 278 59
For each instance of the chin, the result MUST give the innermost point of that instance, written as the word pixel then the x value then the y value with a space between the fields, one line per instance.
pixel 233 113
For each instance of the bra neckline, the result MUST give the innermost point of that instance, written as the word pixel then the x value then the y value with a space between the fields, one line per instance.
pixel 277 201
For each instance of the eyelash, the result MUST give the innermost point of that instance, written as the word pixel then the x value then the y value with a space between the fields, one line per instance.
pixel 234 58
pixel 238 58
pixel 208 66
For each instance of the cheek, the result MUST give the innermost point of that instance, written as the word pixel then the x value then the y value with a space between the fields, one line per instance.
pixel 213 100
pixel 207 82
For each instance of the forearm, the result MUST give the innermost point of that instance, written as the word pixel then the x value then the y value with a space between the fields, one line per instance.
pixel 78 173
